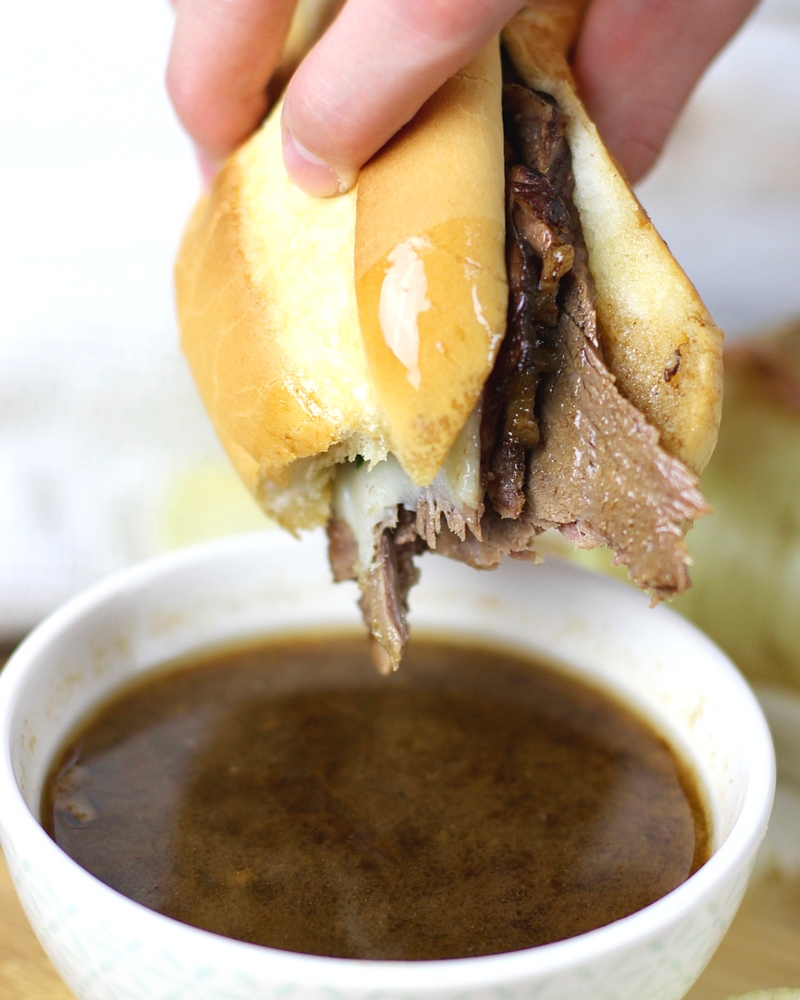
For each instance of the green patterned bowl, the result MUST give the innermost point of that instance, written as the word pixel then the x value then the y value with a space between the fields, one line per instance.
pixel 108 948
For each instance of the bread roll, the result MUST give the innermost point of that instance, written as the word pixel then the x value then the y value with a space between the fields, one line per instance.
pixel 658 337
pixel 269 324
pixel 266 291
pixel 431 211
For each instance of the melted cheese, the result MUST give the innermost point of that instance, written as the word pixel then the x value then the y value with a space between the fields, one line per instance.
pixel 366 496
pixel 404 295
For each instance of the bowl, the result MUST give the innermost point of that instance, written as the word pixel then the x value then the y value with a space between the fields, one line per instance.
pixel 108 947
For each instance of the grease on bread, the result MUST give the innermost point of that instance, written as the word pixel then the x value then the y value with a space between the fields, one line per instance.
pixel 266 285
pixel 432 203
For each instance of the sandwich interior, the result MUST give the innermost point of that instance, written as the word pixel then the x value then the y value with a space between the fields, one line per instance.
pixel 551 444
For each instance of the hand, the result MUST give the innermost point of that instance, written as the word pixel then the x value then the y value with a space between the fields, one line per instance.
pixel 636 62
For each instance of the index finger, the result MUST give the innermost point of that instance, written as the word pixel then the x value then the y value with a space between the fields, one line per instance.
pixel 223 55
pixel 370 73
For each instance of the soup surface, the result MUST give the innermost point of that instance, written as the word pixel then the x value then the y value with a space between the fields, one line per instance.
pixel 475 802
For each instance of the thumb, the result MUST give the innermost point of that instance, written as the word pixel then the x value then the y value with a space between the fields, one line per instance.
pixel 369 74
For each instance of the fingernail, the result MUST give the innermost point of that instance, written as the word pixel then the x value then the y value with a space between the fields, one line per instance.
pixel 310 173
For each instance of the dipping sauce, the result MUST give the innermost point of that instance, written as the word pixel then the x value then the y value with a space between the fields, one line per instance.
pixel 475 802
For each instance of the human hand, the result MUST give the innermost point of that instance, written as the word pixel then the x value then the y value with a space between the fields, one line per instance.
pixel 636 62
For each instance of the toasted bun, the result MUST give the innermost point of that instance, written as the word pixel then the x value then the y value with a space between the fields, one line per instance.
pixel 434 202
pixel 280 294
pixel 266 293
pixel 659 340
pixel 268 318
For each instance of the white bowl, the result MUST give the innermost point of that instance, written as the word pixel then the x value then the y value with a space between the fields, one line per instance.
pixel 107 947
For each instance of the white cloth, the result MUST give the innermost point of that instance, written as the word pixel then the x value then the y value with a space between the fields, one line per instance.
pixel 726 196
pixel 105 454
pixel 105 451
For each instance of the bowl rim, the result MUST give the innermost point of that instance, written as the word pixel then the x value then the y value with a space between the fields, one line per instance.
pixel 19 825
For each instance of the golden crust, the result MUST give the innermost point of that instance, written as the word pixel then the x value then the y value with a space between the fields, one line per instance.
pixel 659 340
pixel 267 310
pixel 267 304
pixel 279 293
pixel 438 189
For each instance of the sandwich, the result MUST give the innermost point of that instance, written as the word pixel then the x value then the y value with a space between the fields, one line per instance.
pixel 485 339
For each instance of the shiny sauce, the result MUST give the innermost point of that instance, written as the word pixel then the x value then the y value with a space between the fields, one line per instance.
pixel 475 802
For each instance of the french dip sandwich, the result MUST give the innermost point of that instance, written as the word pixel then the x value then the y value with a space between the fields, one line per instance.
pixel 484 339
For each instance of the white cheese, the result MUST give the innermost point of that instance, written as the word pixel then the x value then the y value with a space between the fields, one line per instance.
pixel 403 297
pixel 367 496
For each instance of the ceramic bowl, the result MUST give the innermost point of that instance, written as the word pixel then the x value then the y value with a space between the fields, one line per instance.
pixel 107 947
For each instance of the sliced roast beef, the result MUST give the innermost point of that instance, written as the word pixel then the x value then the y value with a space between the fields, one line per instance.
pixel 601 476
pixel 597 471
pixel 560 446
pixel 342 550
pixel 385 583
pixel 540 220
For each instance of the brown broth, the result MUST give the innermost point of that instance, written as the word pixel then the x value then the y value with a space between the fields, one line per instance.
pixel 473 803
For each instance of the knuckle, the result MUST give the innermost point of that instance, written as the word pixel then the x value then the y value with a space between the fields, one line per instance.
pixel 325 118
pixel 444 21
